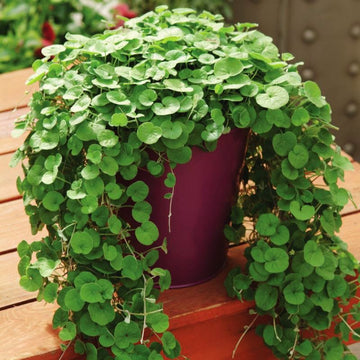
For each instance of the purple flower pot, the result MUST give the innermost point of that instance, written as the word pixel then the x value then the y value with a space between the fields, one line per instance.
pixel 204 193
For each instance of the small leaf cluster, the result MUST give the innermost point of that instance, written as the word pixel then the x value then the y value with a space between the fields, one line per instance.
pixel 128 104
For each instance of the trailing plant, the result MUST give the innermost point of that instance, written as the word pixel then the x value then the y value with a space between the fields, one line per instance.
pixel 141 97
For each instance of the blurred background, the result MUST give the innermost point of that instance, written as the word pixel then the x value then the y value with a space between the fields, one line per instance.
pixel 324 34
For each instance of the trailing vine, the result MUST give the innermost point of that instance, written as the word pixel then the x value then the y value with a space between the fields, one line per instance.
pixel 166 82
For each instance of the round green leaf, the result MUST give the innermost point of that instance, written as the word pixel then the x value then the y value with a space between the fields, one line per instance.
pixel 147 97
pixel 302 213
pixel 171 130
pixel 53 50
pixel 81 104
pixel 294 293
pixel 159 322
pixel 73 300
pixel 266 297
pixel 276 260
pixel 91 293
pixel 81 242
pixel 168 106
pixel 298 156
pixel 300 116
pixel 180 155
pixel 68 332
pixel 118 119
pixel 283 143
pixel 177 85
pixel 227 67
pixel 101 313
pixel 50 292
pixel 337 287
pixel 126 334
pixel 141 211
pixel 267 224
pixel 52 200
pixel 281 236
pixel 147 233
pixel 107 138
pixel 149 133
pixel 313 254
pixel 32 281
pixel 313 93
pixel 274 98
pixel 138 191
pixel 117 97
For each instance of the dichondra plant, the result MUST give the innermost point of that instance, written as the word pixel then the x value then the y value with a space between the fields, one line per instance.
pixel 141 97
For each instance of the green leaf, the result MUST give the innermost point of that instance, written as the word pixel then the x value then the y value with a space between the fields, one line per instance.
pixel 180 156
pixel 298 156
pixel 53 50
pixel 126 334
pixel 267 224
pixel 118 119
pixel 258 251
pixel 84 277
pixel 159 322
pixel 90 172
pixel 170 180
pixel 115 224
pixel 177 85
pixel 52 201
pixel 32 281
pixel 302 213
pixel 73 300
pixel 227 67
pixel 276 260
pixel 91 293
pixel 109 166
pixel 283 143
pixel 171 130
pixel 68 332
pixel 266 297
pixel 274 98
pixel 138 191
pixel 149 133
pixel 147 233
pixel 155 168
pixel 45 266
pixel 132 268
pixel 169 105
pixel 288 170
pixel 117 97
pixel 101 313
pixel 300 116
pixel 313 254
pixel 141 211
pixel 60 318
pixel 81 242
pixel 337 287
pixel 81 104
pixel 107 138
pixel 313 93
pixel 294 293
pixel 147 97
pixel 282 235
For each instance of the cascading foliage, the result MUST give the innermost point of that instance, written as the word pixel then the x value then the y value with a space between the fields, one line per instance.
pixel 166 82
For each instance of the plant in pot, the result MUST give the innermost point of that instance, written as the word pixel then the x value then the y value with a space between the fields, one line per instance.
pixel 144 107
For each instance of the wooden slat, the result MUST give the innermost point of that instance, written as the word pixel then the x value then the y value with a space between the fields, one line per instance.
pixel 13 91
pixel 15 226
pixel 352 183
pixel 10 290
pixel 26 331
pixel 8 178
pixel 350 232
pixel 7 120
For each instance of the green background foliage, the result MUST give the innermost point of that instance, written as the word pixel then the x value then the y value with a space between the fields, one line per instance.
pixel 139 99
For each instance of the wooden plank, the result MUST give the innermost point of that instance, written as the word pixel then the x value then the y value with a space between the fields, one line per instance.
pixel 10 290
pixel 349 233
pixel 26 331
pixel 352 183
pixel 13 91
pixel 15 226
pixel 8 178
pixel 7 120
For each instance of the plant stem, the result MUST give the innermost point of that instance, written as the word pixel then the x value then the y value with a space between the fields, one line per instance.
pixel 247 328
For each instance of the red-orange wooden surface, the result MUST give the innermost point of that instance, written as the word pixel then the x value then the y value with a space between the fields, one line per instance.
pixel 207 323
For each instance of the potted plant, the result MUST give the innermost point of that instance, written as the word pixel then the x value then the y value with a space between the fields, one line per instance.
pixel 145 97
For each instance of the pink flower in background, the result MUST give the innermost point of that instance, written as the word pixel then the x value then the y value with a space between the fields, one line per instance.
pixel 123 10
pixel 48 37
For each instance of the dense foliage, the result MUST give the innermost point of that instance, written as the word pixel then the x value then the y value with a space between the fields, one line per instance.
pixel 138 98
pixel 29 25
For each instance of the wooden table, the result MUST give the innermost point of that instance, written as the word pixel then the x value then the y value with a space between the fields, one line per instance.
pixel 207 323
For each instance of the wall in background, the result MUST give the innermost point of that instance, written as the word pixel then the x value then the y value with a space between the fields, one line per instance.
pixel 325 34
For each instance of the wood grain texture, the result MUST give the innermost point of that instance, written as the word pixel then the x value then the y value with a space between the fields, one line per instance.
pixel 26 331
pixel 10 290
pixel 14 226
pixel 13 91
pixel 8 190
pixel 7 121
